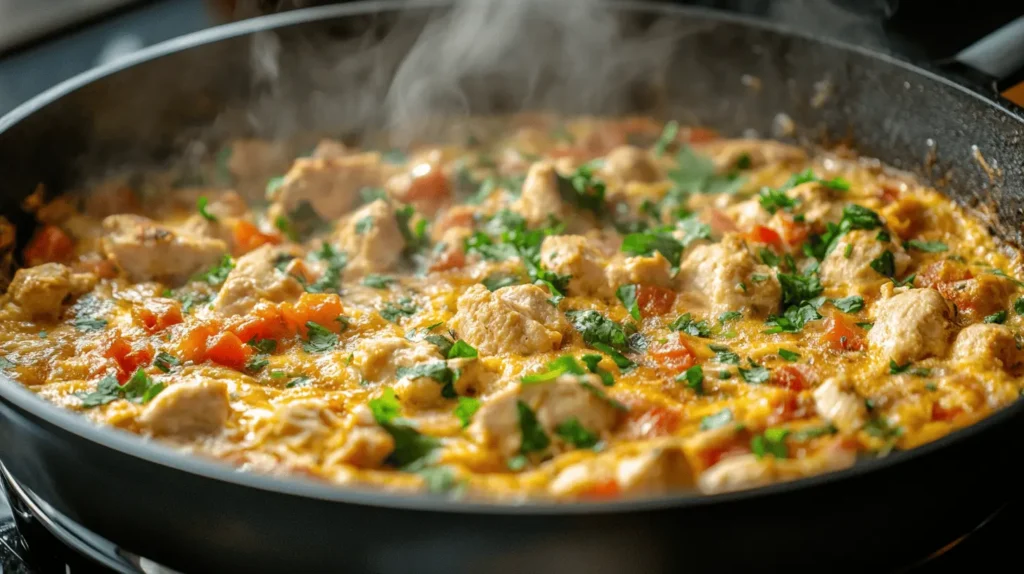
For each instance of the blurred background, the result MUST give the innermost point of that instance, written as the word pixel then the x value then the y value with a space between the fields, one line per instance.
pixel 43 42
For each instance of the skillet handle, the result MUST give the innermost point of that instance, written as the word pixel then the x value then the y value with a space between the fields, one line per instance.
pixel 995 62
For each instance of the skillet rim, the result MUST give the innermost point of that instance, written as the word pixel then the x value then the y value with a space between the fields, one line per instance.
pixel 154 452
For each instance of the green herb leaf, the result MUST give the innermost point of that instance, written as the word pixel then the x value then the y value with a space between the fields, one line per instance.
pixel 884 264
pixel 467 407
pixel 686 324
pixel 1018 306
pixel 798 288
pixel 596 328
pixel 621 361
pixel 566 364
pixel 141 388
pixel 788 355
pixel 378 281
pixel 572 432
pixel 496 281
pixel 768 257
pixel 627 294
pixel 364 225
pixel 319 338
pixel 462 350
pixel 107 391
pixel 86 324
pixel 756 374
pixel 6 363
pixel 793 319
pixel 299 382
pixel 534 439
pixel 694 379
pixel 717 420
pixel 218 273
pixel 772 442
pixel 813 432
pixel 773 200
pixel 667 138
pixel 850 304
pixel 927 246
pixel 729 316
pixel 592 363
pixel 404 308
pixel 999 317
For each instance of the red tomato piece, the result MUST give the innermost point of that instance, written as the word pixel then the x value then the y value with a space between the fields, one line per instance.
pixel 450 259
pixel 191 344
pixel 941 413
pixel 228 350
pixel 654 300
pixel 49 244
pixel 157 314
pixel 790 377
pixel 651 422
pixel 766 235
pixel 606 490
pixel 675 356
pixel 127 357
pixel 710 457
pixel 428 183
pixel 265 321
pixel 248 237
pixel 843 335
pixel 793 232
pixel 322 308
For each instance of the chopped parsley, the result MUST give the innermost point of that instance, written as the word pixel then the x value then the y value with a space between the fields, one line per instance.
pixel 798 288
pixel 686 324
pixel 788 355
pixel 756 374
pixel 319 338
pixel 534 439
pixel 462 350
pixel 999 317
pixel 627 294
pixel 564 365
pixel 813 432
pixel 394 311
pixel 86 310
pixel 415 235
pixel 694 379
pixel 724 355
pixel 467 407
pixel 107 391
pixel 773 200
pixel 496 281
pixel 1018 306
pixel 364 225
pixel 86 324
pixel 593 365
pixel 583 189
pixel 330 280
pixel 768 257
pixel 927 246
pixel 139 389
pixel 596 328
pixel 772 441
pixel 696 174
pixel 304 221
pixel 572 432
pixel 850 304
pixel 256 363
pixel 201 204
pixel 854 217
pixel 884 264
pixel 411 447
pixel 378 281
pixel 792 319
pixel 667 138
pixel 299 382
pixel 717 420
pixel 218 273
pixel 729 316
pixel 437 370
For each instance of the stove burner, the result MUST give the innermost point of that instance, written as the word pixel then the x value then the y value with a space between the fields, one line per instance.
pixel 46 541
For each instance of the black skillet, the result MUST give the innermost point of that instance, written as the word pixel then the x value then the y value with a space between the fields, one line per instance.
pixel 198 516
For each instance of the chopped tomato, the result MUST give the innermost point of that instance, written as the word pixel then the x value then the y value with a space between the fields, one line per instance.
pixel 248 237
pixel 842 335
pixel 787 410
pixel 720 222
pixel 676 355
pixel 49 244
pixel 228 350
pixel 449 259
pixel 941 413
pixel 889 193
pixel 157 314
pixel 790 377
pixel 428 183
pixel 322 308
pixel 766 235
pixel 128 358
pixel 654 300
pixel 711 456
pixel 652 422
pixel 191 343
pixel 602 491
pixel 265 321
pixel 701 135
pixel 793 232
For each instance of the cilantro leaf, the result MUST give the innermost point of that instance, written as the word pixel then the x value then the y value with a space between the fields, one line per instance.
pixel 1018 306
pixel 686 324
pixel 584 189
pixel 717 420
pixel 798 288
pixel 385 408
pixel 404 308
pixel 773 200
pixel 534 439
pixel 927 246
pixel 772 442
pixel 467 407
pixel 298 382
pixel 620 360
pixel 627 294
pixel 788 355
pixel 572 432
pixel 729 316
pixel 566 364
pixel 462 350
pixel 141 388
pixel 107 391
pixel 201 204
pixel 496 281
pixel 86 324
pixel 218 273
pixel 850 304
pixel 999 317
pixel 378 281
pixel 319 338
pixel 884 264
pixel 596 328
pixel 647 242
pixel 792 319
pixel 667 138
pixel 694 379
pixel 592 361
pixel 756 374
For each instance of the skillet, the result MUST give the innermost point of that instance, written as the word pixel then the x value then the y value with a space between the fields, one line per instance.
pixel 197 516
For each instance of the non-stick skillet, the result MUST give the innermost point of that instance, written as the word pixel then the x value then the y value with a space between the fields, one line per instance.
pixel 199 516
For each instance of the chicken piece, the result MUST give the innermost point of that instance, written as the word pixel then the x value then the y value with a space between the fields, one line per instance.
pixel 377 358
pixel 372 239
pixel 43 290
pixel 148 251
pixel 987 344
pixel 540 198
pixel 256 278
pixel 835 402
pixel 654 470
pixel 629 163
pixel 496 424
pixel 516 319
pixel 737 473
pixel 978 297
pixel 330 186
pixel 726 153
pixel 850 263
pixel 199 406
pixel 817 203
pixel 911 325
pixel 573 255
pixel 731 278
pixel 642 269
pixel 366 447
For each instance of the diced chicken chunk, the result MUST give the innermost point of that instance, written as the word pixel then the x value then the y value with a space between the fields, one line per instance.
pixel 540 198
pixel 737 473
pixel 42 290
pixel 366 447
pixel 655 470
pixel 516 319
pixel 224 208
pixel 817 203
pixel 496 424
pixel 728 274
pixel 372 239
pixel 188 408
pixel 641 269
pixel 911 326
pixel 148 251
pixel 988 344
pixel 836 403
pixel 573 255
pixel 256 278
pixel 330 185
pixel 377 358
pixel 629 163
pixel 850 263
